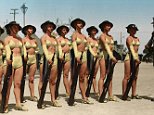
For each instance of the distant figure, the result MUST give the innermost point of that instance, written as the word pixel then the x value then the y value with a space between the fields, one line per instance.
pixel 14 45
pixel 107 47
pixel 64 47
pixel 133 44
pixel 31 49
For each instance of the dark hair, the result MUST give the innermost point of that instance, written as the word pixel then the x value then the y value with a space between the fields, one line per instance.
pixel 10 25
pixel 91 28
pixel 59 29
pixel 103 24
pixel 44 26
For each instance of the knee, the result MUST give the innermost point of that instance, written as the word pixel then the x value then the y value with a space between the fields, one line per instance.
pixel 81 78
pixel 65 75
pixel 102 77
pixel 17 85
pixel 127 77
pixel 52 81
pixel 31 79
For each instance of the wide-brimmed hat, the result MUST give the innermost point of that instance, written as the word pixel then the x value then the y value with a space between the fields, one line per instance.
pixel 61 27
pixel 133 26
pixel 7 26
pixel 92 28
pixel 74 22
pixel 1 30
pixel 24 29
pixel 48 22
pixel 102 25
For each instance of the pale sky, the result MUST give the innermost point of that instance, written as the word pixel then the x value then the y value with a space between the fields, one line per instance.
pixel 119 12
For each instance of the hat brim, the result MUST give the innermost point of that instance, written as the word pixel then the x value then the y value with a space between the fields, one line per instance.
pixel 10 25
pixel 132 28
pixel 48 23
pixel 60 28
pixel 73 23
pixel 1 31
pixel 24 29
pixel 104 23
pixel 92 28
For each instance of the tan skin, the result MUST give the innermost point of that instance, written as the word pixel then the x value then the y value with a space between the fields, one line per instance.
pixel 66 66
pixel 40 80
pixel 127 63
pixel 92 39
pixel 2 70
pixel 81 48
pixel 32 67
pixel 103 71
pixel 53 74
pixel 16 73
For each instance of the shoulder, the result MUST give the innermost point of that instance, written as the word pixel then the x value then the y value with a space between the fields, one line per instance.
pixel 7 39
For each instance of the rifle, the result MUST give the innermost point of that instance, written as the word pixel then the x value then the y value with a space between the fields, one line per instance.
pixel 90 80
pixel 60 68
pixel 76 70
pixel 5 85
pixel 22 86
pixel 153 40
pixel 134 68
pixel 109 76
pixel 45 83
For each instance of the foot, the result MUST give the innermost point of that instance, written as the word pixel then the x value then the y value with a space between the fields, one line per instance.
pixel 67 95
pixel 6 109
pixel 21 108
pixel 56 104
pixel 112 98
pixel 136 97
pixel 105 101
pixel 33 98
pixel 86 101
pixel 127 99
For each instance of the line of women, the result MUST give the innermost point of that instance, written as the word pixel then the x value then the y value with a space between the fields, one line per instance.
pixel 59 50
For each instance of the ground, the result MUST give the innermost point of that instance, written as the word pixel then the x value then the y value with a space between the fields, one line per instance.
pixel 145 88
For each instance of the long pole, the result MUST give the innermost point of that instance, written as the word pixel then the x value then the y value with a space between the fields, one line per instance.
pixel 24 10
pixel 14 13
pixel 153 40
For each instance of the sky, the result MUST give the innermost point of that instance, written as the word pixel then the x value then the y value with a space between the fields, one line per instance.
pixel 120 12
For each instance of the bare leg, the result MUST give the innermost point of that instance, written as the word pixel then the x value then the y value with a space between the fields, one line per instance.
pixel 134 85
pixel 65 77
pixel 1 74
pixel 32 71
pixel 81 79
pixel 52 82
pixel 102 75
pixel 126 75
pixel 17 83
pixel 40 80
pixel 94 79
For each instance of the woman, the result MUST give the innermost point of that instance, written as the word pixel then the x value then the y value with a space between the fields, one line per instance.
pixel 93 48
pixel 107 46
pixel 132 43
pixel 49 45
pixel 14 45
pixel 79 44
pixel 1 61
pixel 31 49
pixel 64 46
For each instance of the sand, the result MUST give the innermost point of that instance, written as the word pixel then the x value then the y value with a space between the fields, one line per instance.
pixel 145 106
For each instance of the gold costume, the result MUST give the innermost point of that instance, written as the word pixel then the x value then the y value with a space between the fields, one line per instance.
pixel 49 55
pixel 17 60
pixel 107 51
pixel 78 53
pixel 31 58
pixel 134 54
pixel 67 56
